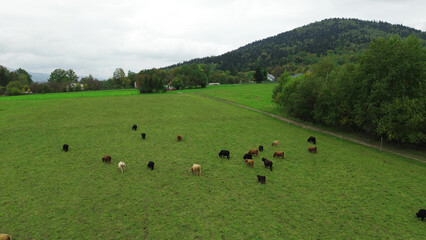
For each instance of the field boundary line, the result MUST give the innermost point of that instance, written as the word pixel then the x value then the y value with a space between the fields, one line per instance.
pixel 292 122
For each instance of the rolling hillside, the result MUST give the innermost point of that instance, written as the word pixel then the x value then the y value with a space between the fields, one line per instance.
pixel 303 45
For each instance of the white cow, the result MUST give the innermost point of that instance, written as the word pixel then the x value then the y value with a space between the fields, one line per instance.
pixel 121 166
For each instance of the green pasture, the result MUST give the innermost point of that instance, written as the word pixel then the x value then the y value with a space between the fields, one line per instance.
pixel 257 96
pixel 346 191
pixel 79 94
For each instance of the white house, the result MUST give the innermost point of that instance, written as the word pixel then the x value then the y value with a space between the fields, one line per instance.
pixel 74 85
pixel 270 77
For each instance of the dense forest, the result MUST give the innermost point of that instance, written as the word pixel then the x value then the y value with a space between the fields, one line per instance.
pixel 295 50
pixel 383 94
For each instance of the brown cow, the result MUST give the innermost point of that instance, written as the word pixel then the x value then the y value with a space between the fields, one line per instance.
pixel 179 137
pixel 4 236
pixel 275 143
pixel 279 154
pixel 312 149
pixel 249 162
pixel 196 169
pixel 253 151
pixel 106 159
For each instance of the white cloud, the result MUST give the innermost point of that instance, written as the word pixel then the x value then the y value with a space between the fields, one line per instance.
pixel 96 37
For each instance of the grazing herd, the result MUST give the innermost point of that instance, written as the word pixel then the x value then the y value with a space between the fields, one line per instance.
pixel 196 168
pixel 122 165
pixel 248 157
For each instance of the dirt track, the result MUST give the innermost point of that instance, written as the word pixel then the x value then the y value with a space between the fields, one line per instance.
pixel 313 128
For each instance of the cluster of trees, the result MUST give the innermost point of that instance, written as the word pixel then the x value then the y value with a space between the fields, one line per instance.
pixel 383 94
pixel 61 80
pixel 148 81
pixel 190 76
pixel 20 82
pixel 15 82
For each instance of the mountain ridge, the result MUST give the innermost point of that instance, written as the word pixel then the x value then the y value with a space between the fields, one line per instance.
pixel 338 35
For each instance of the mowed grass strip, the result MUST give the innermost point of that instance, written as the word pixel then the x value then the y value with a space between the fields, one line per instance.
pixel 257 96
pixel 346 191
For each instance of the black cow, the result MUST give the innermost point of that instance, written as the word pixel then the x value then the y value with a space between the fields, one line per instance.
pixel 65 147
pixel 261 179
pixel 248 156
pixel 143 136
pixel 135 127
pixel 267 163
pixel 260 148
pixel 312 140
pixel 224 153
pixel 421 214
pixel 151 165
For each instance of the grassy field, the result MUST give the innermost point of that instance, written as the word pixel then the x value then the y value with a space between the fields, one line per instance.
pixel 80 94
pixel 346 191
pixel 257 96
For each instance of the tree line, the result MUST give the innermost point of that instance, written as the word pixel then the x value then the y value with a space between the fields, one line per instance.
pixel 20 82
pixel 147 81
pixel 382 94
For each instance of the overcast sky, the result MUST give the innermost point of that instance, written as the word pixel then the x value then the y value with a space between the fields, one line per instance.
pixel 97 36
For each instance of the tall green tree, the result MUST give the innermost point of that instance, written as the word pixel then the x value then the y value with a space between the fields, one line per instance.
pixel 404 120
pixel 132 77
pixel 24 76
pixel 149 81
pixel 4 76
pixel 63 76
pixel 260 75
pixel 120 80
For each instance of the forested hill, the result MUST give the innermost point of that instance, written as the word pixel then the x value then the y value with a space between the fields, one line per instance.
pixel 305 44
